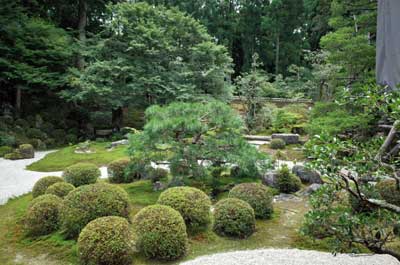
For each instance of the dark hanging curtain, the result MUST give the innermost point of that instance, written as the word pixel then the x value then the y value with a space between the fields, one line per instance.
pixel 388 43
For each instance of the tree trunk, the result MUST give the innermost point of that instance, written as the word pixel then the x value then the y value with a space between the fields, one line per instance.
pixel 82 30
pixel 117 118
pixel 18 96
pixel 277 55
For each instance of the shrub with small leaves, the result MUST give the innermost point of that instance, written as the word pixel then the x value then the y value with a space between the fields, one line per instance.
pixel 277 144
pixel 4 150
pixel 42 216
pixel 287 182
pixel 81 174
pixel 156 174
pixel 389 191
pixel 193 204
pixel 42 184
pixel 161 232
pixel 257 195
pixel 234 218
pixel 89 202
pixel 60 189
pixel 106 240
pixel 118 171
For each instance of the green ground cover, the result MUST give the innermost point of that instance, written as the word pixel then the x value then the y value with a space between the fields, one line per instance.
pixel 15 248
pixel 66 157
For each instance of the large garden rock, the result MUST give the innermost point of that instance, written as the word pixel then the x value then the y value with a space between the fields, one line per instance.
pixel 289 138
pixel 311 189
pixel 120 142
pixel 270 179
pixel 307 175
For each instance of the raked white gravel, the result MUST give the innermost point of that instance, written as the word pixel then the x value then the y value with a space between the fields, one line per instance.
pixel 290 257
pixel 15 180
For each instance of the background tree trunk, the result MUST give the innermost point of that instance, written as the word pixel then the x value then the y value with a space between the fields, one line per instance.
pixel 117 118
pixel 82 30
pixel 277 55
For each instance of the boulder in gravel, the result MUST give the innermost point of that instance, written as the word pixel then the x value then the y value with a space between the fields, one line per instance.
pixel 306 175
pixel 270 179
pixel 311 189
pixel 289 138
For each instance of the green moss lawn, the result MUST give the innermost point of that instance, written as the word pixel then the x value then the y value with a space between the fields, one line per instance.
pixel 65 157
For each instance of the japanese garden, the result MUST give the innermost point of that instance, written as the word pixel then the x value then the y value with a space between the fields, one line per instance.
pixel 235 132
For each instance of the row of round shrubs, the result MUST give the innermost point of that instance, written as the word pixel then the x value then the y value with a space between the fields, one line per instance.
pixel 99 212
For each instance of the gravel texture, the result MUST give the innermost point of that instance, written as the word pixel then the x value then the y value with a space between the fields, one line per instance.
pixel 290 257
pixel 15 180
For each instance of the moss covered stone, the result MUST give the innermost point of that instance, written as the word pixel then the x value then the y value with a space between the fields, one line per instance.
pixel 257 195
pixel 89 202
pixel 106 240
pixel 234 218
pixel 193 204
pixel 161 232
pixel 42 184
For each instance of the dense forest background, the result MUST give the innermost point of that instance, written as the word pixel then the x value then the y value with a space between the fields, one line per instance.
pixel 61 57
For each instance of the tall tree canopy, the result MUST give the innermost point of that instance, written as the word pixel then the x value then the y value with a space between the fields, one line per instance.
pixel 34 54
pixel 151 55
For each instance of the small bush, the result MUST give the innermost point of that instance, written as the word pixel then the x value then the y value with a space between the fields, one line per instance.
pixel 161 232
pixel 6 139
pixel 257 195
pixel 42 216
pixel 277 144
pixel 389 192
pixel 38 144
pixel 118 171
pixel 156 174
pixel 35 133
pixel 26 151
pixel 13 156
pixel 42 184
pixel 71 139
pixel 59 136
pixel 81 174
pixel 193 204
pixel 89 202
pixel 234 218
pixel 22 123
pixel 60 189
pixel 287 182
pixel 5 150
pixel 106 240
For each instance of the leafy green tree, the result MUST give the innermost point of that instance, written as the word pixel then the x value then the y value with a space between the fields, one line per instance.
pixel 34 54
pixel 351 44
pixel 251 87
pixel 194 138
pixel 151 55
pixel 283 40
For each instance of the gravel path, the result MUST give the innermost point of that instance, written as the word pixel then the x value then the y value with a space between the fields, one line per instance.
pixel 15 180
pixel 290 257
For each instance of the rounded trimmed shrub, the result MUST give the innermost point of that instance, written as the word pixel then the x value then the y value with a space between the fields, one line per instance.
pixel 118 171
pixel 106 240
pixel 287 182
pixel 234 218
pixel 161 232
pixel 42 216
pixel 42 184
pixel 257 195
pixel 89 202
pixel 71 138
pixel 4 150
pixel 60 189
pixel 277 144
pixel 156 174
pixel 389 192
pixel 193 204
pixel 81 174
